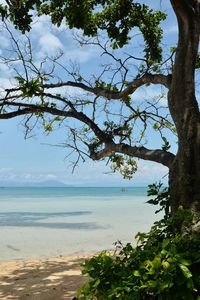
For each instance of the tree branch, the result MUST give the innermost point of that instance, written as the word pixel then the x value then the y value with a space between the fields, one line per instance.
pixel 160 156
pixel 72 113
pixel 109 94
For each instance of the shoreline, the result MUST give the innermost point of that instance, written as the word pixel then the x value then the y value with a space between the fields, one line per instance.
pixel 42 279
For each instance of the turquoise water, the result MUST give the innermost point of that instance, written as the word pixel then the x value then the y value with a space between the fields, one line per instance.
pixel 45 222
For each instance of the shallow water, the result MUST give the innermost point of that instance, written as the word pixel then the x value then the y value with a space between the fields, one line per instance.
pixel 45 222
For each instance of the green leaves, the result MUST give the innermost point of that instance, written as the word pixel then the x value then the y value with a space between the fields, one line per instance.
pixel 21 13
pixel 186 271
pixel 3 11
pixel 166 145
pixel 48 128
pixel 164 267
pixel 108 86
pixel 28 88
pixel 123 164
pixel 161 197
pixel 117 18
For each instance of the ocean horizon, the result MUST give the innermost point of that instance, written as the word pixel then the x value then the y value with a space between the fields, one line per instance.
pixel 42 222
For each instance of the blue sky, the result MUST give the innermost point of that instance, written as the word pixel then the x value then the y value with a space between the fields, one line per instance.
pixel 33 160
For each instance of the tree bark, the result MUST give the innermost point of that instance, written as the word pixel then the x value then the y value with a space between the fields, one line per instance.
pixel 184 177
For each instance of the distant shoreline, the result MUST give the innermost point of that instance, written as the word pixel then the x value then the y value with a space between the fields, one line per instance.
pixel 70 186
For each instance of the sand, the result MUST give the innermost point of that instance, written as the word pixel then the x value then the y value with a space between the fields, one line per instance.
pixel 45 279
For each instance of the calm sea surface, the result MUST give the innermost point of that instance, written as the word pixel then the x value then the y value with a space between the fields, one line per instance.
pixel 46 222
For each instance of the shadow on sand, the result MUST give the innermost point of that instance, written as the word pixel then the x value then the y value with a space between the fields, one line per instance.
pixel 55 279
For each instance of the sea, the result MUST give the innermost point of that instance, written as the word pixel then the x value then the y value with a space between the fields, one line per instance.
pixel 50 222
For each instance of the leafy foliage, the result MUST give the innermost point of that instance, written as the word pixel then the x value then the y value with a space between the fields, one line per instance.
pixel 20 13
pixel 29 88
pixel 3 11
pixel 124 164
pixel 161 197
pixel 166 145
pixel 116 17
pixel 164 265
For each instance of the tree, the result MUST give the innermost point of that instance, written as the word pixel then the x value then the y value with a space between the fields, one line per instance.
pixel 113 135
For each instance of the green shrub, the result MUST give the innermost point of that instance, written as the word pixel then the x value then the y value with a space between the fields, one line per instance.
pixel 165 265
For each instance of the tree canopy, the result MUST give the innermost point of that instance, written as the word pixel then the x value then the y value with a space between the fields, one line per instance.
pixel 117 18
pixel 109 123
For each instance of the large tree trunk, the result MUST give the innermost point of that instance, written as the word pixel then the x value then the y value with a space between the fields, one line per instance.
pixel 184 177
pixel 184 174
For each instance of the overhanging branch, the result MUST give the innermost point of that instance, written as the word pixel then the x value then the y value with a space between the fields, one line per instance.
pixel 109 94
pixel 160 156
pixel 25 108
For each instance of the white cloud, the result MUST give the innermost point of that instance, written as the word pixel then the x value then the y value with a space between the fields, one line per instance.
pixel 79 54
pixel 151 171
pixel 5 83
pixel 9 174
pixel 50 44
pixel 52 38
pixel 40 26
pixel 150 93
pixel 50 176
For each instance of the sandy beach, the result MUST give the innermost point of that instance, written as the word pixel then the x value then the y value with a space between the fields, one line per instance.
pixel 45 279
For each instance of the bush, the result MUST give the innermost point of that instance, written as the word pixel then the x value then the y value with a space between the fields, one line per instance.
pixel 165 264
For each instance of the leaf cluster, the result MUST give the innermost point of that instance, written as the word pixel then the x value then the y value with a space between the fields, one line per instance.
pixel 20 13
pixel 117 18
pixel 160 196
pixel 164 265
pixel 124 164
pixel 28 88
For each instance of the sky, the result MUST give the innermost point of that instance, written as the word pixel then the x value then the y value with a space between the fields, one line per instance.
pixel 37 159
